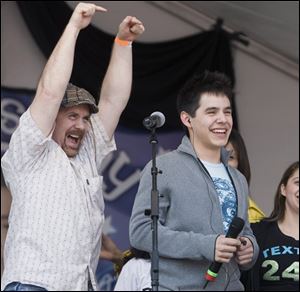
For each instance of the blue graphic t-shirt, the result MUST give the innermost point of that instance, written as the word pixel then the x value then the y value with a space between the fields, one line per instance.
pixel 225 190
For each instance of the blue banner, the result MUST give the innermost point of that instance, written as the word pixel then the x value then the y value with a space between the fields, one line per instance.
pixel 13 104
pixel 121 171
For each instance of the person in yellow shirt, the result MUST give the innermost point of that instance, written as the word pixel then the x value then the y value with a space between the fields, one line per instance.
pixel 239 159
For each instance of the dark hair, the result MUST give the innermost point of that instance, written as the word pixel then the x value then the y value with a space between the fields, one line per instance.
pixel 279 201
pixel 128 255
pixel 239 146
pixel 189 97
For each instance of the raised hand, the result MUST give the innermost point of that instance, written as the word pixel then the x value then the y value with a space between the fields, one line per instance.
pixel 83 14
pixel 130 29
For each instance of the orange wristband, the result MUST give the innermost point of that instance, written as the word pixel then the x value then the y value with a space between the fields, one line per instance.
pixel 122 43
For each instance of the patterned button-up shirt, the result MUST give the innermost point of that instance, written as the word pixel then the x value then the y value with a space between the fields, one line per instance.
pixel 57 212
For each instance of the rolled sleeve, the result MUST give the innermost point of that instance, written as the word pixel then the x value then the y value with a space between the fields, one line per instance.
pixel 26 144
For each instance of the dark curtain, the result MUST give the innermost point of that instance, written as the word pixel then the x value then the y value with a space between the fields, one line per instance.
pixel 159 69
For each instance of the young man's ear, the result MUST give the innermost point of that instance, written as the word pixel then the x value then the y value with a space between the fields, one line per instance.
pixel 185 119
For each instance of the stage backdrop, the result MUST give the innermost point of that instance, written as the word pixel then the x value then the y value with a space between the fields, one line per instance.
pixel 159 71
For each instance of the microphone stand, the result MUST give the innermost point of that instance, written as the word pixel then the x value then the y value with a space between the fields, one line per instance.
pixel 154 213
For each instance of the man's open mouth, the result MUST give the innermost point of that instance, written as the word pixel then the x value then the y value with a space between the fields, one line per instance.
pixel 73 140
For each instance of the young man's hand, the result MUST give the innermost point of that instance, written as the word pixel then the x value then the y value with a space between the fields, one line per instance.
pixel 244 252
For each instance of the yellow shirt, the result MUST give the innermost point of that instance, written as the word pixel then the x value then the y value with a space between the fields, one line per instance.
pixel 255 214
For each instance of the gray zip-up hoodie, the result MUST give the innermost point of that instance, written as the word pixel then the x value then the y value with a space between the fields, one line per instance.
pixel 190 220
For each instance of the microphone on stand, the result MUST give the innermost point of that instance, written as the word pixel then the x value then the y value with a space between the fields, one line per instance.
pixel 235 228
pixel 155 120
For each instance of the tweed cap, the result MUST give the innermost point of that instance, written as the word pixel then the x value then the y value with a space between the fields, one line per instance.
pixel 75 95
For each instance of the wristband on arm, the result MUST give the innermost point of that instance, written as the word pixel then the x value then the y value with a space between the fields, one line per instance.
pixel 122 43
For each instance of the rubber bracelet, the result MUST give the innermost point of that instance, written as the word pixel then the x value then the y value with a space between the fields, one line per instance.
pixel 122 43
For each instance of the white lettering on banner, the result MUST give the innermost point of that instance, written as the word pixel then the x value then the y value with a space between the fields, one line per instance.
pixel 121 186
pixel 10 119
pixel 107 282
pixel 106 161
pixel 108 228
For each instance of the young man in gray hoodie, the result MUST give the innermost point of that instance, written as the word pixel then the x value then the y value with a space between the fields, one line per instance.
pixel 200 195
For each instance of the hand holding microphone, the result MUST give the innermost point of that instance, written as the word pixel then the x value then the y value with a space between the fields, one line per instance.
pixel 225 249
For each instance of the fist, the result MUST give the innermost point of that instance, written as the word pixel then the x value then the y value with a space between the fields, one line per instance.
pixel 130 29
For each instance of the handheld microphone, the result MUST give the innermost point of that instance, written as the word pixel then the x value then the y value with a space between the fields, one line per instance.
pixel 155 120
pixel 235 228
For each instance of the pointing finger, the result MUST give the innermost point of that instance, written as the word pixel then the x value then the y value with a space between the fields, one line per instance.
pixel 100 9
